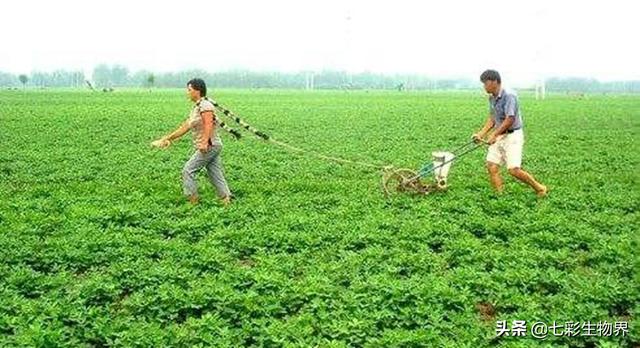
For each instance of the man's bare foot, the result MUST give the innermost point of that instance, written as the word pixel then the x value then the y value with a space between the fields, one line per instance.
pixel 194 199
pixel 542 192
pixel 226 200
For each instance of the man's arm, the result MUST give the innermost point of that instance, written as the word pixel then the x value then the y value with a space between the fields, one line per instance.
pixel 208 129
pixel 487 126
pixel 485 129
pixel 503 128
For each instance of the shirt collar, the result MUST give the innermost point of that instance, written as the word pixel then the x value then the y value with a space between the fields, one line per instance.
pixel 496 98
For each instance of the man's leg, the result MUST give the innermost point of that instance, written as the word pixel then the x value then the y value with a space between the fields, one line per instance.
pixel 494 176
pixel 495 157
pixel 215 171
pixel 189 183
pixel 528 179
pixel 513 152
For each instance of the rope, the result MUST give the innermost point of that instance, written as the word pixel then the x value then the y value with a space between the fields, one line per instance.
pixel 221 123
pixel 232 131
pixel 242 123
pixel 290 147
pixel 325 157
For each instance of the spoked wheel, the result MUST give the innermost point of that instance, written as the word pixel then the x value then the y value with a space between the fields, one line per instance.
pixel 402 180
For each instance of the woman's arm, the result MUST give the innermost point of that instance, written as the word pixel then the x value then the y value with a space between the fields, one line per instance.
pixel 182 130
pixel 208 130
pixel 167 139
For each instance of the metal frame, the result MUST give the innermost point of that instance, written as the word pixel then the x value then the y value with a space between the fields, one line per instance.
pixel 405 183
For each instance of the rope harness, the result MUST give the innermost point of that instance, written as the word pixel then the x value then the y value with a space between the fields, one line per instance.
pixel 262 135
pixel 236 134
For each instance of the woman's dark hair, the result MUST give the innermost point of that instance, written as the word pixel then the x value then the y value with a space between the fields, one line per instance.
pixel 490 75
pixel 198 85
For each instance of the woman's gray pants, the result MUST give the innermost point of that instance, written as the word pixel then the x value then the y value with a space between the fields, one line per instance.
pixel 211 160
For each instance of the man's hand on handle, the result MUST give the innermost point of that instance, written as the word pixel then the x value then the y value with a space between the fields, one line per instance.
pixel 478 138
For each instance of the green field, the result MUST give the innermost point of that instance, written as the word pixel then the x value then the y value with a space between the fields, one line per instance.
pixel 99 248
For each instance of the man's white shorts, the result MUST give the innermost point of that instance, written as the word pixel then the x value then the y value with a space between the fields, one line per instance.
pixel 507 150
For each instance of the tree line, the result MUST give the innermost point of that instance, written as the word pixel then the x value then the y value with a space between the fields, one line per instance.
pixel 114 76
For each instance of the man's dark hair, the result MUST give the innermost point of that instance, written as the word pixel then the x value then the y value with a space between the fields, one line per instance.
pixel 198 85
pixel 490 75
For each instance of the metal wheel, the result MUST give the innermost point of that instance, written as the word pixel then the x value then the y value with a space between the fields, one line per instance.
pixel 401 181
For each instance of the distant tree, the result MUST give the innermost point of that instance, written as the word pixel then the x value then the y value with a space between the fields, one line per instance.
pixel 102 75
pixel 119 75
pixel 8 80
pixel 39 78
pixel 23 79
pixel 151 79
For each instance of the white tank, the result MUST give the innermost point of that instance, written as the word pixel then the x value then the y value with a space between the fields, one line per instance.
pixel 442 171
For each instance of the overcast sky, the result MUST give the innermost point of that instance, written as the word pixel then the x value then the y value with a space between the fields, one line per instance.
pixel 525 40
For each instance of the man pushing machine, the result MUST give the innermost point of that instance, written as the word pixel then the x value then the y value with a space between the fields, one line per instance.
pixel 507 139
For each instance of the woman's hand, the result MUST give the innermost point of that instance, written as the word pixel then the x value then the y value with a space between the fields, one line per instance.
pixel 204 148
pixel 161 143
